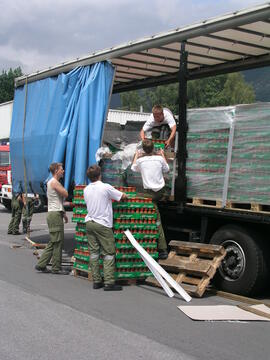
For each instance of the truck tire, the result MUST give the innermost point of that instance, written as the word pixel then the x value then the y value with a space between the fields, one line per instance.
pixel 244 270
pixel 7 204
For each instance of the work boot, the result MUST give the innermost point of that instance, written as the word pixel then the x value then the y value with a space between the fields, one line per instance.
pixel 9 233
pixel 112 287
pixel 60 272
pixel 44 270
pixel 162 254
pixel 97 285
pixel 16 233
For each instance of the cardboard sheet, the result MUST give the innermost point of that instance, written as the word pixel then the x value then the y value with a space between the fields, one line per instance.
pixel 223 313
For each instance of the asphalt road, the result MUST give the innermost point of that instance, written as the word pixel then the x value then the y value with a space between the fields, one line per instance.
pixel 45 316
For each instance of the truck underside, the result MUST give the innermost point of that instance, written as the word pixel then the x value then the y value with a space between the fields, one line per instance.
pixel 245 269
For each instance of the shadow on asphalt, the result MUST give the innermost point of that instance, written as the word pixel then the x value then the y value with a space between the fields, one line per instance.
pixel 69 243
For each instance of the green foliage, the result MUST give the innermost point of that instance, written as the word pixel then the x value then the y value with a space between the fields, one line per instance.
pixel 219 90
pixel 237 91
pixel 7 84
pixel 131 101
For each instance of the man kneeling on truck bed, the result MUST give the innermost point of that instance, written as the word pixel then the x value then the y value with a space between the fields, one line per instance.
pixel 151 165
pixel 98 197
pixel 160 118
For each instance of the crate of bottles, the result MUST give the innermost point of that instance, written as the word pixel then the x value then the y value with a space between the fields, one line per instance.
pixel 138 214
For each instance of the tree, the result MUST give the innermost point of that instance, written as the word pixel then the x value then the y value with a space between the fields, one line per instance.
pixel 131 100
pixel 237 91
pixel 7 84
pixel 219 90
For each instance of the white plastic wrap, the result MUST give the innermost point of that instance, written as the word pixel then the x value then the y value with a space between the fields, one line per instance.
pixel 101 152
pixel 126 156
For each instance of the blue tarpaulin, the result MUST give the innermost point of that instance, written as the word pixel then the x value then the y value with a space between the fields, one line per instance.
pixel 64 123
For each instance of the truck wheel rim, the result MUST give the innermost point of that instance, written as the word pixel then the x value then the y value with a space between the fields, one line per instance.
pixel 233 265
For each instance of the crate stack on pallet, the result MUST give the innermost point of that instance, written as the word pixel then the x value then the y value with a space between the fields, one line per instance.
pixel 137 214
pixel 81 252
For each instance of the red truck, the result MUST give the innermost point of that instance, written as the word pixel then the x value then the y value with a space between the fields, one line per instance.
pixel 5 173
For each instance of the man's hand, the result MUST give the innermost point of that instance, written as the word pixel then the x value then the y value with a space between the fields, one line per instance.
pixel 167 143
pixel 65 218
pixel 124 197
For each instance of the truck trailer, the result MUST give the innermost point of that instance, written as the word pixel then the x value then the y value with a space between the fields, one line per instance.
pixel 229 43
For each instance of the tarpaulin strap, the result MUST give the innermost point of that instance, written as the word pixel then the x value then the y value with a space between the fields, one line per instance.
pixel 228 165
pixel 24 163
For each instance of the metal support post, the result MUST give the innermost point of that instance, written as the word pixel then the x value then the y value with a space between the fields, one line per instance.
pixel 181 181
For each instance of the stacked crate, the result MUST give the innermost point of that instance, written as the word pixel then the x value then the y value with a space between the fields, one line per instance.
pixel 81 252
pixel 139 216
pixel 136 214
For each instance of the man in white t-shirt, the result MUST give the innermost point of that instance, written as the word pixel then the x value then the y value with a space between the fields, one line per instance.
pixel 152 166
pixel 158 118
pixel 98 197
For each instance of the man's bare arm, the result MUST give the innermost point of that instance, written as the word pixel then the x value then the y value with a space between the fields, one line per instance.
pixel 142 134
pixel 168 142
pixel 59 189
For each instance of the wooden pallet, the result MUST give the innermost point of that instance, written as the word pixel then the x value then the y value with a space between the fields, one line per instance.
pixel 192 265
pixel 83 274
pixel 204 202
pixel 230 205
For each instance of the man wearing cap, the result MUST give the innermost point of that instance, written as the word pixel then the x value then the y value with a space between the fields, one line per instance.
pixel 159 117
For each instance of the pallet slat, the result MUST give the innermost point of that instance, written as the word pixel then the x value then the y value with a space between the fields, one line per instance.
pixel 194 272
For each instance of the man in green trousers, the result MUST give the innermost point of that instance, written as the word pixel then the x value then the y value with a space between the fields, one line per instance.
pixel 56 214
pixel 98 197
pixel 152 166
pixel 27 213
pixel 16 214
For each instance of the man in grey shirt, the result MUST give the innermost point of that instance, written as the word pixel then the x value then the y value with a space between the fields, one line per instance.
pixel 56 214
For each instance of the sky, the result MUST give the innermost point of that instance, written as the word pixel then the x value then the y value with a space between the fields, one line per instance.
pixel 36 34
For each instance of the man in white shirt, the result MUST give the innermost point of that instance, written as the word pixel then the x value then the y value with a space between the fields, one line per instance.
pixel 152 166
pixel 98 197
pixel 158 118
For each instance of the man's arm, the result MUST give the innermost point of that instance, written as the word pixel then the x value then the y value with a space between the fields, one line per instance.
pixel 165 166
pixel 133 165
pixel 173 131
pixel 142 134
pixel 59 189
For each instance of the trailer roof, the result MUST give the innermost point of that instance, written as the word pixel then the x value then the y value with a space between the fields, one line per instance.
pixel 233 42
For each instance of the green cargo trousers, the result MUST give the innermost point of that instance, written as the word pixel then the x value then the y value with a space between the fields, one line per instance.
pixel 156 196
pixel 101 242
pixel 16 214
pixel 54 248
pixel 27 213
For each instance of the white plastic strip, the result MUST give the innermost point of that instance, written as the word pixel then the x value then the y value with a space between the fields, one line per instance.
pixel 156 267
pixel 160 279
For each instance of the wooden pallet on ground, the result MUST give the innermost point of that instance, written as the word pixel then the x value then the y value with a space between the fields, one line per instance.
pixel 83 274
pixel 192 265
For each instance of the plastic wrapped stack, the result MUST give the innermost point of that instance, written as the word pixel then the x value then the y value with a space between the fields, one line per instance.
pixel 208 149
pixel 250 167
pixel 207 144
pixel 138 215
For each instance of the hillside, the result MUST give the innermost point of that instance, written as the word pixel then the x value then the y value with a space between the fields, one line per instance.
pixel 260 79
